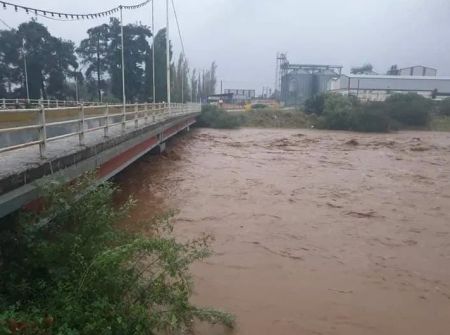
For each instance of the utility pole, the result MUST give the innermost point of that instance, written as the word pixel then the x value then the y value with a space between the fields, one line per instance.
pixel 25 68
pixel 182 80
pixel 124 98
pixel 98 69
pixel 167 52
pixel 221 87
pixel 153 51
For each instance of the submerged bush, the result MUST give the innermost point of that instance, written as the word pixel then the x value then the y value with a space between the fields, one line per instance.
pixel 408 109
pixel 77 274
pixel 338 112
pixel 371 117
pixel 315 104
pixel 214 117
pixel 444 107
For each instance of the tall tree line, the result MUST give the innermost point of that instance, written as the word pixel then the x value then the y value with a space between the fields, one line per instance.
pixel 58 69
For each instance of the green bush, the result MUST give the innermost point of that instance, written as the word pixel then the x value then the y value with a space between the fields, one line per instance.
pixel 315 104
pixel 338 112
pixel 347 113
pixel 371 117
pixel 444 107
pixel 409 109
pixel 259 106
pixel 214 117
pixel 77 274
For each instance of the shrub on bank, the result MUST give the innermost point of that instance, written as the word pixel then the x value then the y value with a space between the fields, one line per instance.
pixel 341 112
pixel 77 274
pixel 371 117
pixel 444 107
pixel 408 109
pixel 338 112
pixel 214 117
pixel 315 104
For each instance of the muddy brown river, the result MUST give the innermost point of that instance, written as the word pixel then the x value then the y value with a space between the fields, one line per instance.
pixel 315 232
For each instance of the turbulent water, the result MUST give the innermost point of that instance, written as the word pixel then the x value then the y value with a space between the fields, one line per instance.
pixel 315 232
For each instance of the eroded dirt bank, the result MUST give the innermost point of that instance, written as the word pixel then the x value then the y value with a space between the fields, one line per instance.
pixel 315 232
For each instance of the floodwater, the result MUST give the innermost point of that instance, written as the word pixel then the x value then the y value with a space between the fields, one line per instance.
pixel 316 232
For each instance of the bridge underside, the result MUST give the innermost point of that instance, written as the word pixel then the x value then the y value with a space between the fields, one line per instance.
pixel 22 170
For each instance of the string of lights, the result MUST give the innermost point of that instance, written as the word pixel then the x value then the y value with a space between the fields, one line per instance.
pixel 69 16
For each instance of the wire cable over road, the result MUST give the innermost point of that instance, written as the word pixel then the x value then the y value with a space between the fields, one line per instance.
pixel 61 16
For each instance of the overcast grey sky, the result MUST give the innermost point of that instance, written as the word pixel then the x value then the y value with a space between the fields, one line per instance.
pixel 243 36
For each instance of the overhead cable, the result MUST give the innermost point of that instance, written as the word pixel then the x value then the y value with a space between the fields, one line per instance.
pixel 50 14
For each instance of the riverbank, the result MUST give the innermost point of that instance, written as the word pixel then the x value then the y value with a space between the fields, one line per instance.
pixel 315 231
pixel 292 118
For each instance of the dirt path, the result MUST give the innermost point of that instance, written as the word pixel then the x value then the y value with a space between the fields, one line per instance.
pixel 315 232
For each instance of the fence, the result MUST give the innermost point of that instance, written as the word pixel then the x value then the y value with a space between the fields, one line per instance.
pixel 80 120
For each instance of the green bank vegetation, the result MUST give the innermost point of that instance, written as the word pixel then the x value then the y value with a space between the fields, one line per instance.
pixel 338 112
pixel 78 274
pixel 214 117
pixel 399 111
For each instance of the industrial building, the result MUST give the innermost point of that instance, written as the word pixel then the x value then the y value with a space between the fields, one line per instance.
pixel 379 87
pixel 241 95
pixel 295 83
pixel 418 70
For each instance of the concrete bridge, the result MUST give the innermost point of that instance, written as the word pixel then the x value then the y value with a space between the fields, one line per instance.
pixel 67 142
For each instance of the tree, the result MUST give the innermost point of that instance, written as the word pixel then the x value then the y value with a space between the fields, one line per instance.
pixel 10 71
pixel 365 69
pixel 160 65
pixel 181 92
pixel 94 53
pixel 50 61
pixel 208 82
pixel 101 53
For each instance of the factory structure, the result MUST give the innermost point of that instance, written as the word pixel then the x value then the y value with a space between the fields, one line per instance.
pixel 295 83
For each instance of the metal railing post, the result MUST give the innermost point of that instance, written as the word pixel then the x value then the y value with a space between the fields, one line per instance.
pixel 124 118
pixel 81 125
pixel 146 113
pixel 4 103
pixel 136 112
pixel 42 132
pixel 57 104
pixel 48 103
pixel 106 129
pixel 154 110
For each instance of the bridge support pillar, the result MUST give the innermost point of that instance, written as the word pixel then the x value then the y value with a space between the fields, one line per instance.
pixel 162 147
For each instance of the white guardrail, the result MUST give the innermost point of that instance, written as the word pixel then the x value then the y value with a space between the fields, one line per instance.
pixel 86 119
pixel 48 103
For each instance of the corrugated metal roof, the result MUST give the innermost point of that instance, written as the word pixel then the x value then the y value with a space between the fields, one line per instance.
pixel 364 76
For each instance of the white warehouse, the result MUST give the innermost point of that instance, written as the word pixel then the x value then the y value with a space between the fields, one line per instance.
pixel 378 87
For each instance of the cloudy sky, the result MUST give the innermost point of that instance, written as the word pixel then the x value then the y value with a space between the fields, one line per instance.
pixel 243 36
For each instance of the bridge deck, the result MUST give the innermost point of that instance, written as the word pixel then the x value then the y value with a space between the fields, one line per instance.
pixel 66 158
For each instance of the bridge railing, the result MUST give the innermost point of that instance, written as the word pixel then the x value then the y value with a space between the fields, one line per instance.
pixel 36 103
pixel 40 126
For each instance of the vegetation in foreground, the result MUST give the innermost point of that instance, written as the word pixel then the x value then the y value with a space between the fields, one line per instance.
pixel 79 275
